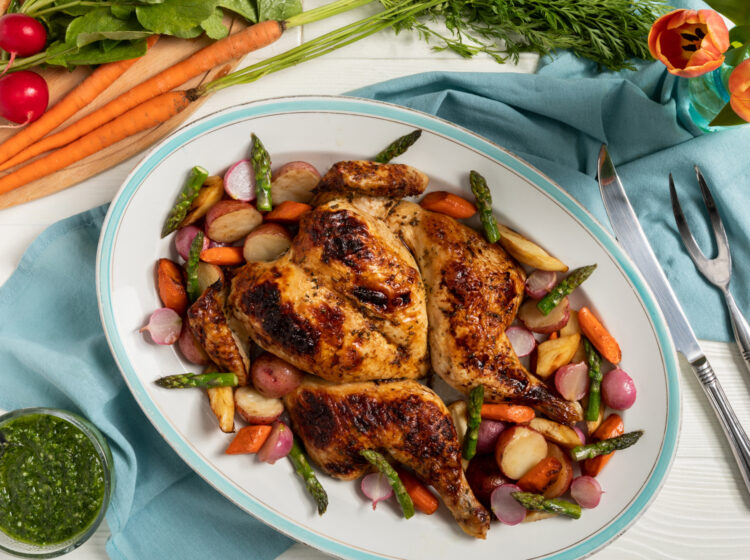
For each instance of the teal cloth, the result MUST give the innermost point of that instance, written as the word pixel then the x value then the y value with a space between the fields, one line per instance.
pixel 53 353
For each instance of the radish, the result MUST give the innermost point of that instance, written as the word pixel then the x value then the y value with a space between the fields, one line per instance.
pixel 618 390
pixel 587 491
pixel 183 239
pixel 376 487
pixel 572 381
pixel 239 181
pixel 23 96
pixel 522 341
pixel 489 431
pixel 539 283
pixel 21 35
pixel 278 444
pixel 505 506
pixel 164 326
pixel 581 435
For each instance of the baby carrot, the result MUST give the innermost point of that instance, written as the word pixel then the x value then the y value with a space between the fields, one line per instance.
pixel 613 426
pixel 599 336
pixel 171 286
pixel 508 412
pixel 250 39
pixel 78 98
pixel 424 500
pixel 223 256
pixel 155 111
pixel 249 440
pixel 288 212
pixel 541 476
pixel 449 204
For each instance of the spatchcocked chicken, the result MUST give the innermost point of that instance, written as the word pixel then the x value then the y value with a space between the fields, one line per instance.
pixel 369 283
pixel 403 418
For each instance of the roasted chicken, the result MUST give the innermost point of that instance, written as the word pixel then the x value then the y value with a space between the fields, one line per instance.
pixel 404 419
pixel 346 302
pixel 474 291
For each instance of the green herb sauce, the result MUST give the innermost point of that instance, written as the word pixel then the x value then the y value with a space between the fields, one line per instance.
pixel 51 480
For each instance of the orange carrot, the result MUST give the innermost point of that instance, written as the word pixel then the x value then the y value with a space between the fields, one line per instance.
pixel 76 99
pixel 599 336
pixel 250 39
pixel 508 412
pixel 223 256
pixel 424 500
pixel 171 286
pixel 288 212
pixel 555 335
pixel 541 476
pixel 449 204
pixel 613 426
pixel 249 440
pixel 153 112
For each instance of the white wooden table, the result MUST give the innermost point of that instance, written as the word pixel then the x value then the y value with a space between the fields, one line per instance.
pixel 702 512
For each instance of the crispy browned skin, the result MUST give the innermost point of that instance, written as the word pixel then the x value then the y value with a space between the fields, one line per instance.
pixel 402 418
pixel 474 291
pixel 346 302
pixel 356 178
pixel 209 325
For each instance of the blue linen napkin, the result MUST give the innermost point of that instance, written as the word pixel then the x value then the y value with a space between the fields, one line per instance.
pixel 53 353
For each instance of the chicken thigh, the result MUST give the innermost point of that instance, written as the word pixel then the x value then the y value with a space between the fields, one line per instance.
pixel 402 418
pixel 474 291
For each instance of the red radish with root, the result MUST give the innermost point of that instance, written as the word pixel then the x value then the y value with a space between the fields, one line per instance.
pixel 21 35
pixel 23 97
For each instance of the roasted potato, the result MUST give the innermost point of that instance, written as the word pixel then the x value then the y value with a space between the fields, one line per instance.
pixel 221 400
pixel 528 252
pixel 556 433
pixel 211 192
pixel 552 354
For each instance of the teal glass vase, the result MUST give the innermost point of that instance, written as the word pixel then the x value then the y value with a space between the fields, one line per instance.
pixel 707 96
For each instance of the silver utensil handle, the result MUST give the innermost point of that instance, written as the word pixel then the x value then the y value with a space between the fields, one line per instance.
pixel 735 434
pixel 740 327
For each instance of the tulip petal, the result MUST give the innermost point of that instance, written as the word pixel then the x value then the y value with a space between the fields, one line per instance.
pixel 739 90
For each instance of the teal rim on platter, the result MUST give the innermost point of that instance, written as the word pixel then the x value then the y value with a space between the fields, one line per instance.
pixel 426 122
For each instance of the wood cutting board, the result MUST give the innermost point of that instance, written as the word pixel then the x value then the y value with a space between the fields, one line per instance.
pixel 167 51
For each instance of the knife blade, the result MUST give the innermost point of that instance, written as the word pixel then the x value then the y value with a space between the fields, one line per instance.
pixel 631 237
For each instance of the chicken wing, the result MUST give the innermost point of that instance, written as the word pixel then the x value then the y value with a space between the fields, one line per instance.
pixel 403 418
pixel 474 291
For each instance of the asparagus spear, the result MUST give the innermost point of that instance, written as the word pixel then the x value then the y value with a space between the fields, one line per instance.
pixel 595 385
pixel 476 398
pixel 204 380
pixel 605 446
pixel 304 470
pixel 193 286
pixel 380 463
pixel 191 189
pixel 398 147
pixel 564 288
pixel 484 203
pixel 536 502
pixel 262 166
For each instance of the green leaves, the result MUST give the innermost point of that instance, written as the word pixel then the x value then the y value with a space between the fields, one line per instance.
pixel 278 9
pixel 176 17
pixel 736 10
pixel 245 8
pixel 62 54
pixel 214 27
pixel 100 24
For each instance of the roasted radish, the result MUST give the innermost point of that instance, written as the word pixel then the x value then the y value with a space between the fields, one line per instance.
pixel 267 242
pixel 521 339
pixel 572 381
pixel 254 408
pixel 539 283
pixel 231 220
pixel 518 449
pixel 587 491
pixel 183 239
pixel 190 348
pixel 489 431
pixel 504 505
pixel 294 181
pixel 239 181
pixel 618 390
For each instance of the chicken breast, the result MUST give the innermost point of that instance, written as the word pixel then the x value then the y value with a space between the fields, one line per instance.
pixel 474 291
pixel 403 419
pixel 346 302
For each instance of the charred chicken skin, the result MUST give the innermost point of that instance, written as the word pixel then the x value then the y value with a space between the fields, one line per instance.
pixel 474 291
pixel 346 302
pixel 402 418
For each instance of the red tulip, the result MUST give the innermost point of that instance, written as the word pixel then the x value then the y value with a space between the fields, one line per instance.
pixel 739 90
pixel 689 42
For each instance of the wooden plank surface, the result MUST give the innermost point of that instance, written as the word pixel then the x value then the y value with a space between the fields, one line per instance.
pixel 164 54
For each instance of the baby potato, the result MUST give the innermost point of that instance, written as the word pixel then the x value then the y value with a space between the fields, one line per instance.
pixel 273 377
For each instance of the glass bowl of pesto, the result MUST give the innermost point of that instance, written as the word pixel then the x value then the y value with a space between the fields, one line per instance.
pixel 56 479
